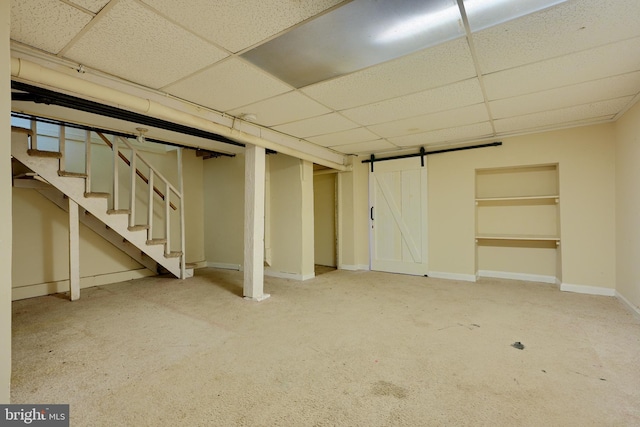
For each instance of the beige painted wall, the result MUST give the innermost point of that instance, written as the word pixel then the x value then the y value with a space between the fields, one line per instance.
pixel 291 216
pixel 587 189
pixel 324 212
pixel 353 217
pixel 224 211
pixel 628 206
pixel 5 208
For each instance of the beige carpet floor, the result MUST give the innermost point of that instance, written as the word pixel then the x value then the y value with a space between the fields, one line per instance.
pixel 343 349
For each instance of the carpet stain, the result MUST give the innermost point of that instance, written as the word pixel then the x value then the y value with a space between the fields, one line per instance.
pixel 385 388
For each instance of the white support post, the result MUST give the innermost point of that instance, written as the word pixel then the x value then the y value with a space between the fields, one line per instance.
pixel 132 192
pixel 116 183
pixel 74 251
pixel 34 134
pixel 150 207
pixel 87 161
pixel 254 176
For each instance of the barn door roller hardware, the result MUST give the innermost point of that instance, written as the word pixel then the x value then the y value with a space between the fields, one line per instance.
pixel 372 159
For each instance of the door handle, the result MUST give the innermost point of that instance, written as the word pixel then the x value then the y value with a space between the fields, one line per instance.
pixel 371 213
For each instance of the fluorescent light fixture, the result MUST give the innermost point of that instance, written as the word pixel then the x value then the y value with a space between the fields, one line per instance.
pixel 346 39
pixel 421 25
pixel 483 14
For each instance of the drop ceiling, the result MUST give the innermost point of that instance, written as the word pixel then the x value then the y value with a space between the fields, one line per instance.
pixel 345 76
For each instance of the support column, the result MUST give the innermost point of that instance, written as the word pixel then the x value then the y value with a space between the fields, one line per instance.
pixel 74 251
pixel 254 180
pixel 5 206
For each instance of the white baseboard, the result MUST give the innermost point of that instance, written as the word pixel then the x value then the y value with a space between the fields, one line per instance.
pixel 518 276
pixel 633 308
pixel 198 264
pixel 224 266
pixel 60 286
pixel 355 267
pixel 284 275
pixel 452 276
pixel 590 290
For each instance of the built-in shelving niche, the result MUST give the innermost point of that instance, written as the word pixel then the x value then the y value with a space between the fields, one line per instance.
pixel 518 222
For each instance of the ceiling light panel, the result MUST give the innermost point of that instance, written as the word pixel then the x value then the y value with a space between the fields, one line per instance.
pixel 45 24
pixel 437 66
pixel 488 13
pixel 357 35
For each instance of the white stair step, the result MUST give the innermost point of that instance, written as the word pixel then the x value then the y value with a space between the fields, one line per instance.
pixel 174 254
pixel 95 195
pixel 156 242
pixel 139 227
pixel 42 153
pixel 118 212
pixel 72 174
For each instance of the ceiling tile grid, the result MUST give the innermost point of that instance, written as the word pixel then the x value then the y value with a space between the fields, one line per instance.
pixel 443 136
pixel 93 5
pixel 441 65
pixel 553 99
pixel 236 25
pixel 350 136
pixel 228 85
pixel 379 145
pixel 289 107
pixel 570 27
pixel 564 116
pixel 132 42
pixel 456 95
pixel 328 123
pixel 605 61
pixel 45 24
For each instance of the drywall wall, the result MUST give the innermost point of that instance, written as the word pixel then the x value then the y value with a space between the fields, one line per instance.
pixel 223 186
pixel 41 250
pixel 587 207
pixel 353 217
pixel 628 206
pixel 5 207
pixel 324 213
pixel 291 217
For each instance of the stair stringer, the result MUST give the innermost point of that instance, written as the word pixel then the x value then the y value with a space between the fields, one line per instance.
pixel 74 188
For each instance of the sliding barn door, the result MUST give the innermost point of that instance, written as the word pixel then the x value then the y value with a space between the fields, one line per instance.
pixel 398 216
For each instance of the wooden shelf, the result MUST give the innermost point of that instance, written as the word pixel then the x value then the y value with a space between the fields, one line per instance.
pixel 520 237
pixel 554 198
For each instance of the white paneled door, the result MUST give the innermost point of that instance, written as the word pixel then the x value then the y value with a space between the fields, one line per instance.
pixel 398 216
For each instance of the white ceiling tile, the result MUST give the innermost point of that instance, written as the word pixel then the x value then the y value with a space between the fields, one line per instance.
pixel 444 98
pixel 236 25
pixel 442 136
pixel 584 93
pixel 618 58
pixel 430 68
pixel 45 24
pixel 228 85
pixel 563 116
pixel 444 119
pixel 132 42
pixel 350 136
pixel 365 147
pixel 569 27
pixel 93 5
pixel 329 123
pixel 289 107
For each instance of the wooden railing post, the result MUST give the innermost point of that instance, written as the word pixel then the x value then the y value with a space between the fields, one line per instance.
pixel 132 193
pixel 150 207
pixel 182 237
pixel 116 183
pixel 167 219
pixel 87 161
pixel 34 135
pixel 62 148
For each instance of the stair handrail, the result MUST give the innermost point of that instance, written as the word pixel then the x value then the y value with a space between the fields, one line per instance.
pixel 153 172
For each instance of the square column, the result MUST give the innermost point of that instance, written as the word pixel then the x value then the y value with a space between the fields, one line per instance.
pixel 254 180
pixel 74 251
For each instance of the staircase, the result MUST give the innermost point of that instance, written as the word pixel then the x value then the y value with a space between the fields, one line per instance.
pixel 115 224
